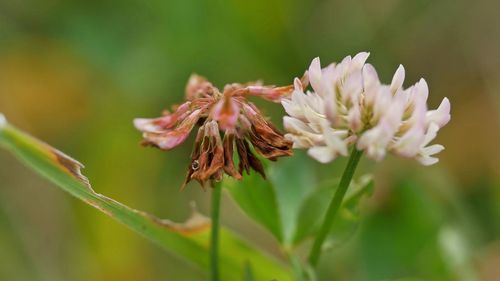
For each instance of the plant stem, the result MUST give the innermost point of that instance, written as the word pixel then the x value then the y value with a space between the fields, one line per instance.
pixel 214 238
pixel 334 206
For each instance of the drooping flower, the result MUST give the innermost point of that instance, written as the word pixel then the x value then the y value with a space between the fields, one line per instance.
pixel 348 105
pixel 227 121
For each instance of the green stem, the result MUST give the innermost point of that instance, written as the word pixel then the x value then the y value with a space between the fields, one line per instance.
pixel 334 206
pixel 214 238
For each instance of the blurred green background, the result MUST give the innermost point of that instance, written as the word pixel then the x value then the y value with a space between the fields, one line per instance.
pixel 75 73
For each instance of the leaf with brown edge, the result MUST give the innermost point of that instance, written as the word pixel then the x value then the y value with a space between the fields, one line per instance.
pixel 188 240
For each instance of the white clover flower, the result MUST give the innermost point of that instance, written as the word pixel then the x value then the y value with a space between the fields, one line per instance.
pixel 350 106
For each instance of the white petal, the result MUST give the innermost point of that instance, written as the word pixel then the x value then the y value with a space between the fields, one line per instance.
pixel 428 161
pixel 409 145
pixel 354 118
pixel 359 60
pixel 315 102
pixel 398 79
pixel 299 142
pixel 294 125
pixel 315 75
pixel 441 116
pixel 370 84
pixel 297 84
pixel 431 133
pixel 352 87
pixel 423 89
pixel 323 154
pixel 292 109
pixel 374 143
pixel 312 116
pixel 432 149
pixel 335 140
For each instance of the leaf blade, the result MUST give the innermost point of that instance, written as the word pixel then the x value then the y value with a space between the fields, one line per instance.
pixel 189 241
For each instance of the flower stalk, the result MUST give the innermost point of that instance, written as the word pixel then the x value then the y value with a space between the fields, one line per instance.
pixel 214 237
pixel 334 206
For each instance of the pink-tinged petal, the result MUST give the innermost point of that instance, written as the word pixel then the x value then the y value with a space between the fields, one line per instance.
pixel 297 84
pixel 290 108
pixel 343 67
pixel 423 89
pixel 359 60
pixel 172 138
pixel 315 102
pixel 374 142
pixel 299 128
pixel 409 144
pixel 295 106
pixel 198 86
pixel 431 134
pixel 352 88
pixel 226 112
pixel 160 124
pixel 354 118
pixel 441 116
pixel 371 83
pixel 270 93
pixel 398 79
pixel 315 75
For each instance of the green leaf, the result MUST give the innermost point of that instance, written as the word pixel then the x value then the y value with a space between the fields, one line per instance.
pixel 257 199
pixel 293 180
pixel 274 203
pixel 189 240
pixel 249 276
pixel 314 208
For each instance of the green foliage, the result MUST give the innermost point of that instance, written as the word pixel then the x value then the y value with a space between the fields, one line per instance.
pixel 314 207
pixel 274 202
pixel 257 198
pixel 385 248
pixel 188 241
pixel 291 206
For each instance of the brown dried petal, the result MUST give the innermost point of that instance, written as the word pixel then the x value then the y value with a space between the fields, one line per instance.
pixel 270 93
pixel 228 144
pixel 211 159
pixel 248 159
pixel 198 87
pixel 194 164
pixel 266 139
pixel 169 139
pixel 226 112
pixel 158 125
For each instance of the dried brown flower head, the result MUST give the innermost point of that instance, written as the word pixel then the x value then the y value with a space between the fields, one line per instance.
pixel 228 123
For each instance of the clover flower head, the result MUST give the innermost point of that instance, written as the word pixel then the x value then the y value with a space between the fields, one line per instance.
pixel 227 121
pixel 348 105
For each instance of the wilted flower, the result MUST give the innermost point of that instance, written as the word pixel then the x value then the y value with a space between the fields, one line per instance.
pixel 227 120
pixel 349 105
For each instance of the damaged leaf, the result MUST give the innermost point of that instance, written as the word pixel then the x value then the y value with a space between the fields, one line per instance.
pixel 188 240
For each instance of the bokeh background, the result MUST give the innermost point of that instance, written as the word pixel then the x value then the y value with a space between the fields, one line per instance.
pixel 75 73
